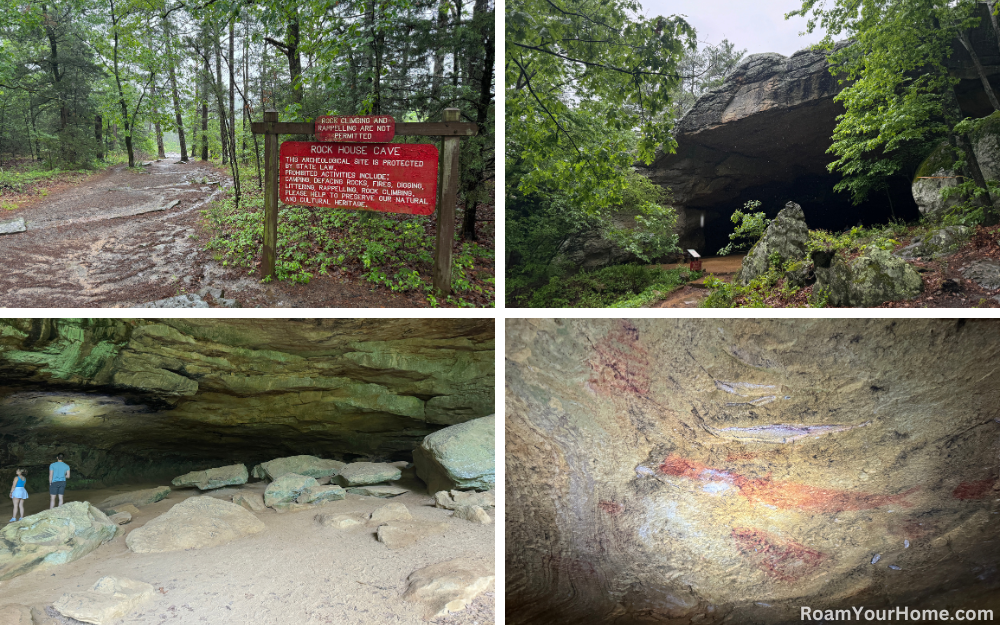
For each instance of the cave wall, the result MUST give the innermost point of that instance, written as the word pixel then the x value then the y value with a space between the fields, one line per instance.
pixel 701 471
pixel 126 398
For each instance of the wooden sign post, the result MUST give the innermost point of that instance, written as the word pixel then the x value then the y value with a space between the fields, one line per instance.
pixel 388 176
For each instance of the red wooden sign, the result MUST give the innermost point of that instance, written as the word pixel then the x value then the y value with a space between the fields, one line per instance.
pixel 371 129
pixel 386 177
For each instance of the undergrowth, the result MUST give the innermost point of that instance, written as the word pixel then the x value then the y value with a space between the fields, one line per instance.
pixel 394 251
pixel 618 286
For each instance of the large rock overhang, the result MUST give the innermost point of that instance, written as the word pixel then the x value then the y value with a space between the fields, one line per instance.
pixel 126 396
pixel 764 135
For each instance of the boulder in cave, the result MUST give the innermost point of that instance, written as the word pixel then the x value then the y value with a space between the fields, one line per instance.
pixel 390 512
pixel 195 523
pixel 459 457
pixel 213 478
pixel 401 534
pixel 365 473
pixel 51 537
pixel 137 498
pixel 476 514
pixel 254 502
pixel 301 465
pixel 339 521
pixel 318 495
pixel 287 489
pixel 383 491
pixel 451 499
pixel 120 518
pixel 875 276
pixel 15 614
pixel 110 599
pixel 735 470
pixel 448 586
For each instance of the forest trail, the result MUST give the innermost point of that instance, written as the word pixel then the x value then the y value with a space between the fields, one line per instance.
pixel 691 295
pixel 127 238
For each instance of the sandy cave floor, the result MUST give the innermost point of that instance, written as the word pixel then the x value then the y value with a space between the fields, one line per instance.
pixel 294 572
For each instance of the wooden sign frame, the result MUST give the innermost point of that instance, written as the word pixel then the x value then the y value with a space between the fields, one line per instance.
pixel 451 132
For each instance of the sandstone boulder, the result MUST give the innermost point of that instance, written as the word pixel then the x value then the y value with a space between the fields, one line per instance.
pixel 448 586
pixel 390 512
pixel 401 534
pixel 874 277
pixel 985 273
pixel 213 478
pixel 458 457
pixel 472 513
pixel 195 523
pixel 52 537
pixel 453 499
pixel 377 491
pixel 121 518
pixel 287 488
pixel 254 502
pixel 318 495
pixel 110 599
pixel 339 521
pixel 310 466
pixel 15 614
pixel 125 507
pixel 784 240
pixel 364 473
pixel 138 498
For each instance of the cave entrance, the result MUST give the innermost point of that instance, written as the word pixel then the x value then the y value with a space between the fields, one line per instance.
pixel 824 208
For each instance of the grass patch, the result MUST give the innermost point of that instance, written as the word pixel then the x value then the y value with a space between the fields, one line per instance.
pixel 619 286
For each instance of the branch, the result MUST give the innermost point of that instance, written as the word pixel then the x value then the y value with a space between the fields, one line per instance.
pixel 592 64
pixel 544 108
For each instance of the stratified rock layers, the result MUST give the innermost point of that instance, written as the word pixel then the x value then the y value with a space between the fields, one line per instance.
pixel 662 471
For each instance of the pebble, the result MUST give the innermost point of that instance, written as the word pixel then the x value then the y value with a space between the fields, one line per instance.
pixel 906 544
pixel 878 556
pixel 894 567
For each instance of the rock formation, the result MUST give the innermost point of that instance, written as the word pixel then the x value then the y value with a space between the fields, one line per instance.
pixel 448 586
pixel 130 400
pixel 213 478
pixel 709 471
pixel 110 599
pixel 783 241
pixel 196 523
pixel 458 457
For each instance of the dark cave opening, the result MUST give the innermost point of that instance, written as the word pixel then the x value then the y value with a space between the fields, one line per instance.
pixel 824 208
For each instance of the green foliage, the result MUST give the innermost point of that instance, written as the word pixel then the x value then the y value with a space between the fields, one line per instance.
pixel 619 286
pixel 766 288
pixel 750 228
pixel 388 250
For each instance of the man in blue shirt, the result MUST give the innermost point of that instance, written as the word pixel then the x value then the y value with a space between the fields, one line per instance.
pixel 58 474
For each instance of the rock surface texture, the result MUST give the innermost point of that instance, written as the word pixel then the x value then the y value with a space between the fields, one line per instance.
pixel 53 537
pixel 709 471
pixel 448 586
pixel 365 473
pixel 873 277
pixel 195 523
pixel 214 478
pixel 110 599
pixel 459 457
pixel 302 465
pixel 136 498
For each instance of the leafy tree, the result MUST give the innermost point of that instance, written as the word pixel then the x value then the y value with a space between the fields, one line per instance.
pixel 703 70
pixel 902 100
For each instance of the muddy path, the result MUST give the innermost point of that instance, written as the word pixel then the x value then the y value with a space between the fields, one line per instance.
pixel 130 238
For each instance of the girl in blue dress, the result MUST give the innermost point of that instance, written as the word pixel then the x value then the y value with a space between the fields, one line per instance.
pixel 18 494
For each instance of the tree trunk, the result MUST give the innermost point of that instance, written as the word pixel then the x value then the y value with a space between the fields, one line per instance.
pixel 477 148
pixel 156 124
pixel 173 88
pixel 438 70
pixel 98 127
pixel 993 18
pixel 205 76
pixel 223 115
pixel 456 62
pixel 987 87
pixel 232 93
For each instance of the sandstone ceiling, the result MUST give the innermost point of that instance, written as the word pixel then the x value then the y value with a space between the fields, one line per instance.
pixel 117 395
pixel 695 471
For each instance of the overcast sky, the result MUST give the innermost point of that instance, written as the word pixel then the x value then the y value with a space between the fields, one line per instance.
pixel 757 25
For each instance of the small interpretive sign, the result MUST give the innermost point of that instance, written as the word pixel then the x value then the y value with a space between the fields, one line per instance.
pixel 356 129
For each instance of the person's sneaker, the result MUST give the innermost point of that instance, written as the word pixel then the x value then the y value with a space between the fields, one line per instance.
pixel 12 519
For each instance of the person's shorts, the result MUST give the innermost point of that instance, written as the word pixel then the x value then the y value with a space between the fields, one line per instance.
pixel 57 488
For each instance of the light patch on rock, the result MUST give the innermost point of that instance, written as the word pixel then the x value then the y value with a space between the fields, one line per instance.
pixel 472 513
pixel 195 523
pixel 390 512
pixel 12 226
pixel 448 586
pixel 110 599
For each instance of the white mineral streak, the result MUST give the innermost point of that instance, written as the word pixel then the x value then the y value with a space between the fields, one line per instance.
pixel 780 432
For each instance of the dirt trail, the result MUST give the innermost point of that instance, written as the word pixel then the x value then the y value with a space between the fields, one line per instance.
pixel 691 295
pixel 120 240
